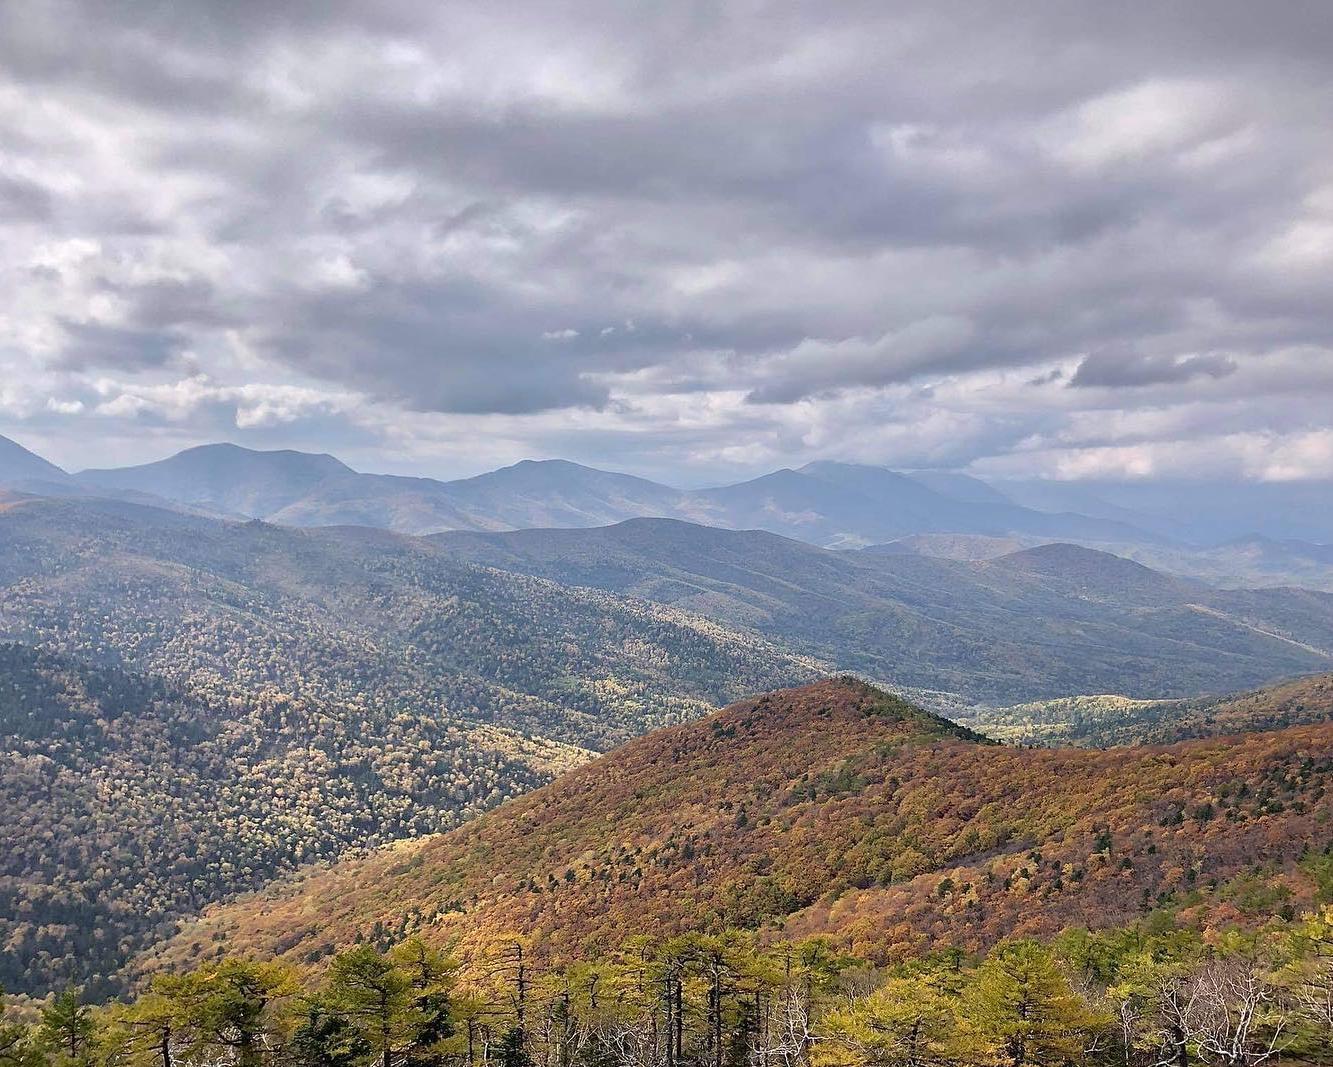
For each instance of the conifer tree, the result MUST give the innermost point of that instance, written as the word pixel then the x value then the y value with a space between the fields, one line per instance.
pixel 67 1027
pixel 1022 1012
pixel 377 999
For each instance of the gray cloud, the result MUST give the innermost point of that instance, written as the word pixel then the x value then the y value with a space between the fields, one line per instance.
pixel 23 200
pixel 90 344
pixel 1118 369
pixel 681 226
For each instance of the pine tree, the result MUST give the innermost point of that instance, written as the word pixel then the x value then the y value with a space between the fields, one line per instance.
pixel 376 998
pixel 67 1027
pixel 325 1039
pixel 1022 1012
pixel 907 1022
pixel 514 1049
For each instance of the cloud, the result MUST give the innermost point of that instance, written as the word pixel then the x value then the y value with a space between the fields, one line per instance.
pixel 814 366
pixel 708 238
pixel 1120 369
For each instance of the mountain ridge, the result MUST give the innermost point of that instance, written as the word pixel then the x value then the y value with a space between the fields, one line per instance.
pixel 912 620
pixel 823 502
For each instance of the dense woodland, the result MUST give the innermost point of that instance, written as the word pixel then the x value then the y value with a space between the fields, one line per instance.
pixel 213 704
pixel 1166 989
pixel 130 803
pixel 833 810
pixel 1036 624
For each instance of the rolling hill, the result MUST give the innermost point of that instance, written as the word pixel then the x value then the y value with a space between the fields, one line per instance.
pixel 1036 624
pixel 833 809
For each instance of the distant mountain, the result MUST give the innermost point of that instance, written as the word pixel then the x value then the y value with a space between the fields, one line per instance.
pixel 226 478
pixel 556 493
pixel 833 810
pixel 837 505
pixel 852 505
pixel 1043 623
pixel 20 467
pixel 1250 562
pixel 1247 561
pixel 960 487
pixel 1202 513
pixel 1089 572
pixel 831 504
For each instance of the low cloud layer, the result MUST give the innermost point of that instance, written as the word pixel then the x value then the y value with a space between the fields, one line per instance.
pixel 695 241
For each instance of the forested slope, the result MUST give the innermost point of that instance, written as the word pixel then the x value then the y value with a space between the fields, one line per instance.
pixel 832 809
pixel 213 703
pixel 1101 721
pixel 1032 625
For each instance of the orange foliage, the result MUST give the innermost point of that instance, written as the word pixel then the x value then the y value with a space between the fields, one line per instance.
pixel 831 809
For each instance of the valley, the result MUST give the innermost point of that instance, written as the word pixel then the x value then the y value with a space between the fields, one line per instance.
pixel 232 738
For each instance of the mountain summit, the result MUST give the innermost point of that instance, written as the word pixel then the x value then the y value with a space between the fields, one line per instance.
pixel 225 477
pixel 832 809
pixel 19 466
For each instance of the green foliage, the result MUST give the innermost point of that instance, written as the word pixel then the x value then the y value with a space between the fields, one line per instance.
pixel 1022 1010
pixel 1135 996
pixel 66 1030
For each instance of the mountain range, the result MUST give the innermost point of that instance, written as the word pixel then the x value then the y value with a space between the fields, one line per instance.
pixel 1240 536
pixel 218 670
pixel 191 706
pixel 831 504
pixel 1046 621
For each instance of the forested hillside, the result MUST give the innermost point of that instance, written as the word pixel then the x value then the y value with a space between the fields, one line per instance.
pixel 130 802
pixel 213 703
pixel 1100 721
pixel 216 703
pixel 1036 624
pixel 831 810
pixel 362 616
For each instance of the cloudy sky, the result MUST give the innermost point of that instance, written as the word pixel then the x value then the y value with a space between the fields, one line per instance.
pixel 692 240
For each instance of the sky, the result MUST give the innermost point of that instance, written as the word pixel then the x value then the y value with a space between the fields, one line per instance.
pixel 695 241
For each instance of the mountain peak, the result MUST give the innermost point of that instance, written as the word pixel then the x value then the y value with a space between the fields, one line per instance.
pixel 226 451
pixel 1090 569
pixel 228 477
pixel 843 699
pixel 18 464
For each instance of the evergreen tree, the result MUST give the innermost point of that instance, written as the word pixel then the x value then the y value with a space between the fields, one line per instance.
pixel 432 976
pixel 232 1010
pixel 377 999
pixel 325 1039
pixel 67 1027
pixel 514 1049
pixel 907 1022
pixel 1022 1012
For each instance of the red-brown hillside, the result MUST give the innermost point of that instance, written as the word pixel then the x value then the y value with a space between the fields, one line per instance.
pixel 834 809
